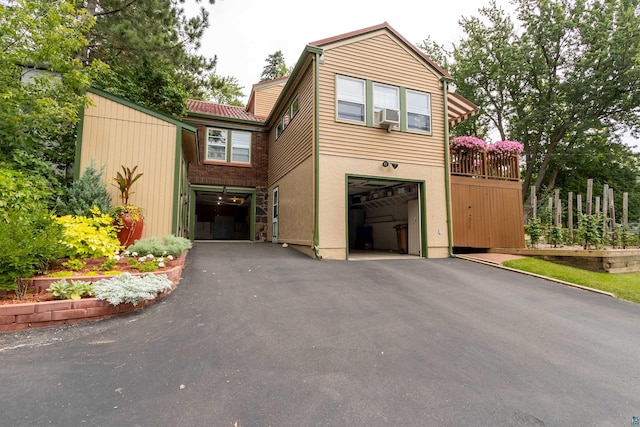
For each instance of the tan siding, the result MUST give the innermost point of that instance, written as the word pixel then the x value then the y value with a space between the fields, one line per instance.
pixel 265 98
pixel 486 213
pixel 296 142
pixel 391 64
pixel 114 135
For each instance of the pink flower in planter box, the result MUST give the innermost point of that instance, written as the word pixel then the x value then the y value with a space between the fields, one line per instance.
pixel 467 143
pixel 505 148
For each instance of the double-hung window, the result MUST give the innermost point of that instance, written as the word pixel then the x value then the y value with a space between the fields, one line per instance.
pixel 217 145
pixel 228 146
pixel 418 111
pixel 240 147
pixel 385 96
pixel 351 98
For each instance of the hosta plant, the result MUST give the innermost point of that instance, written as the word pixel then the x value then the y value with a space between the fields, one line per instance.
pixel 74 290
pixel 127 288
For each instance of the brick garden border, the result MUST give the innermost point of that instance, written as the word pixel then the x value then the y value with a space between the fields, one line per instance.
pixel 15 317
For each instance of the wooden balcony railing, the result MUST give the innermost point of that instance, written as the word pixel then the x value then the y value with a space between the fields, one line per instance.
pixel 485 165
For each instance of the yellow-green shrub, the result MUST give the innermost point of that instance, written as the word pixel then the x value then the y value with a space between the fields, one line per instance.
pixel 89 236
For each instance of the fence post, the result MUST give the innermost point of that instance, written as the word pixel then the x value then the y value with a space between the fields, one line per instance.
pixel 534 203
pixel 625 210
pixel 589 196
pixel 570 216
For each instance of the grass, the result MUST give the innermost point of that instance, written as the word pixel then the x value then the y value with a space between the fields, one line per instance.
pixel 625 286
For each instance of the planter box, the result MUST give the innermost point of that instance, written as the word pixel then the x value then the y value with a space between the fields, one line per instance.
pixel 605 261
pixel 15 317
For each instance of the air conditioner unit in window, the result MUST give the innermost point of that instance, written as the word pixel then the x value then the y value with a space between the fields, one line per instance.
pixel 389 118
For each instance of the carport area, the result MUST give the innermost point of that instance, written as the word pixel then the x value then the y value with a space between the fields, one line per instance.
pixel 258 335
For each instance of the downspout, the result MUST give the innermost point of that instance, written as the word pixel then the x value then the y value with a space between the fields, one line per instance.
pixel 316 157
pixel 447 170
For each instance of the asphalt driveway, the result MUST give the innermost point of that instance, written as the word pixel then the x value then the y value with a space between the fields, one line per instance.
pixel 259 335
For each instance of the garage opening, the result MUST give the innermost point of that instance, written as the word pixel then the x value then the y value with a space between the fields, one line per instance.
pixel 222 215
pixel 383 217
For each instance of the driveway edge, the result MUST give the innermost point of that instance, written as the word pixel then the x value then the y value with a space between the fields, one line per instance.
pixel 550 279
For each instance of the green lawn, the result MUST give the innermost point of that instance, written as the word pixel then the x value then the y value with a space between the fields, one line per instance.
pixel 624 286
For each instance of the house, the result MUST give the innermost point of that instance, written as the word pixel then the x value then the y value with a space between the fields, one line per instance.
pixel 347 154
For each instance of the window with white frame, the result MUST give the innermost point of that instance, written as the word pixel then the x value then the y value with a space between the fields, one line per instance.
pixel 385 96
pixel 228 146
pixel 350 95
pixel 418 111
pixel 217 145
pixel 240 147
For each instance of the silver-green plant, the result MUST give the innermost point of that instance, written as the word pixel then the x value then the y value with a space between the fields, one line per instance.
pixel 127 288
pixel 167 245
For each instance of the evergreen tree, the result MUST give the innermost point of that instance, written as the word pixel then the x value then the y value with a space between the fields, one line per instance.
pixel 275 67
pixel 84 193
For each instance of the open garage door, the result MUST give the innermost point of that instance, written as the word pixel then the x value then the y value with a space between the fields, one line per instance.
pixel 222 215
pixel 384 216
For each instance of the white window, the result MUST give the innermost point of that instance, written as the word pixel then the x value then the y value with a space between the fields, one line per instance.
pixel 217 145
pixel 418 111
pixel 240 147
pixel 228 146
pixel 350 94
pixel 385 97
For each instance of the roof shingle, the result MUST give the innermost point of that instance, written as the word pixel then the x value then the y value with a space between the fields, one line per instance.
pixel 222 110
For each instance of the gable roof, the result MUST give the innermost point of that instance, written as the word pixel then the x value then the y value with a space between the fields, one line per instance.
pixel 383 26
pixel 222 110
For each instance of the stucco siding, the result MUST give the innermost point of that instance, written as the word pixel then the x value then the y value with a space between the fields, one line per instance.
pixel 295 144
pixel 114 135
pixel 333 209
pixel 295 192
pixel 382 59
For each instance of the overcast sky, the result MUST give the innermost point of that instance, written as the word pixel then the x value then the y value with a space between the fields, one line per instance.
pixel 243 33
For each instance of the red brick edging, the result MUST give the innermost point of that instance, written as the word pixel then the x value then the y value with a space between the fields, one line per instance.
pixel 15 317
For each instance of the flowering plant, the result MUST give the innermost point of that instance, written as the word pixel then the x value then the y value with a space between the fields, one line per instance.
pixel 505 148
pixel 467 143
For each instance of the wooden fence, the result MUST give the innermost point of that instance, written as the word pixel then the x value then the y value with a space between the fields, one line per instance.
pixel 486 198
pixel 486 165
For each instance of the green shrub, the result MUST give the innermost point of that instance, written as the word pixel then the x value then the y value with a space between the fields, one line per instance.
pixel 74 264
pixel 74 290
pixel 84 193
pixel 60 274
pixel 108 264
pixel 127 288
pixel 28 235
pixel 556 236
pixel 167 245
pixel 535 229
pixel 589 232
pixel 89 237
pixel 145 264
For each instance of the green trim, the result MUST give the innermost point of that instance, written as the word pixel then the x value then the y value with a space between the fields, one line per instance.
pixel 316 154
pixel 176 183
pixel 346 215
pixel 447 173
pixel 218 188
pixel 192 214
pixel 423 220
pixel 403 109
pixel 78 154
pixel 275 229
pixel 368 103
pixel 161 116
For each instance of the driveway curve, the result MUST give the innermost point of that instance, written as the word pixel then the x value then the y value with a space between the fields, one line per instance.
pixel 260 335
